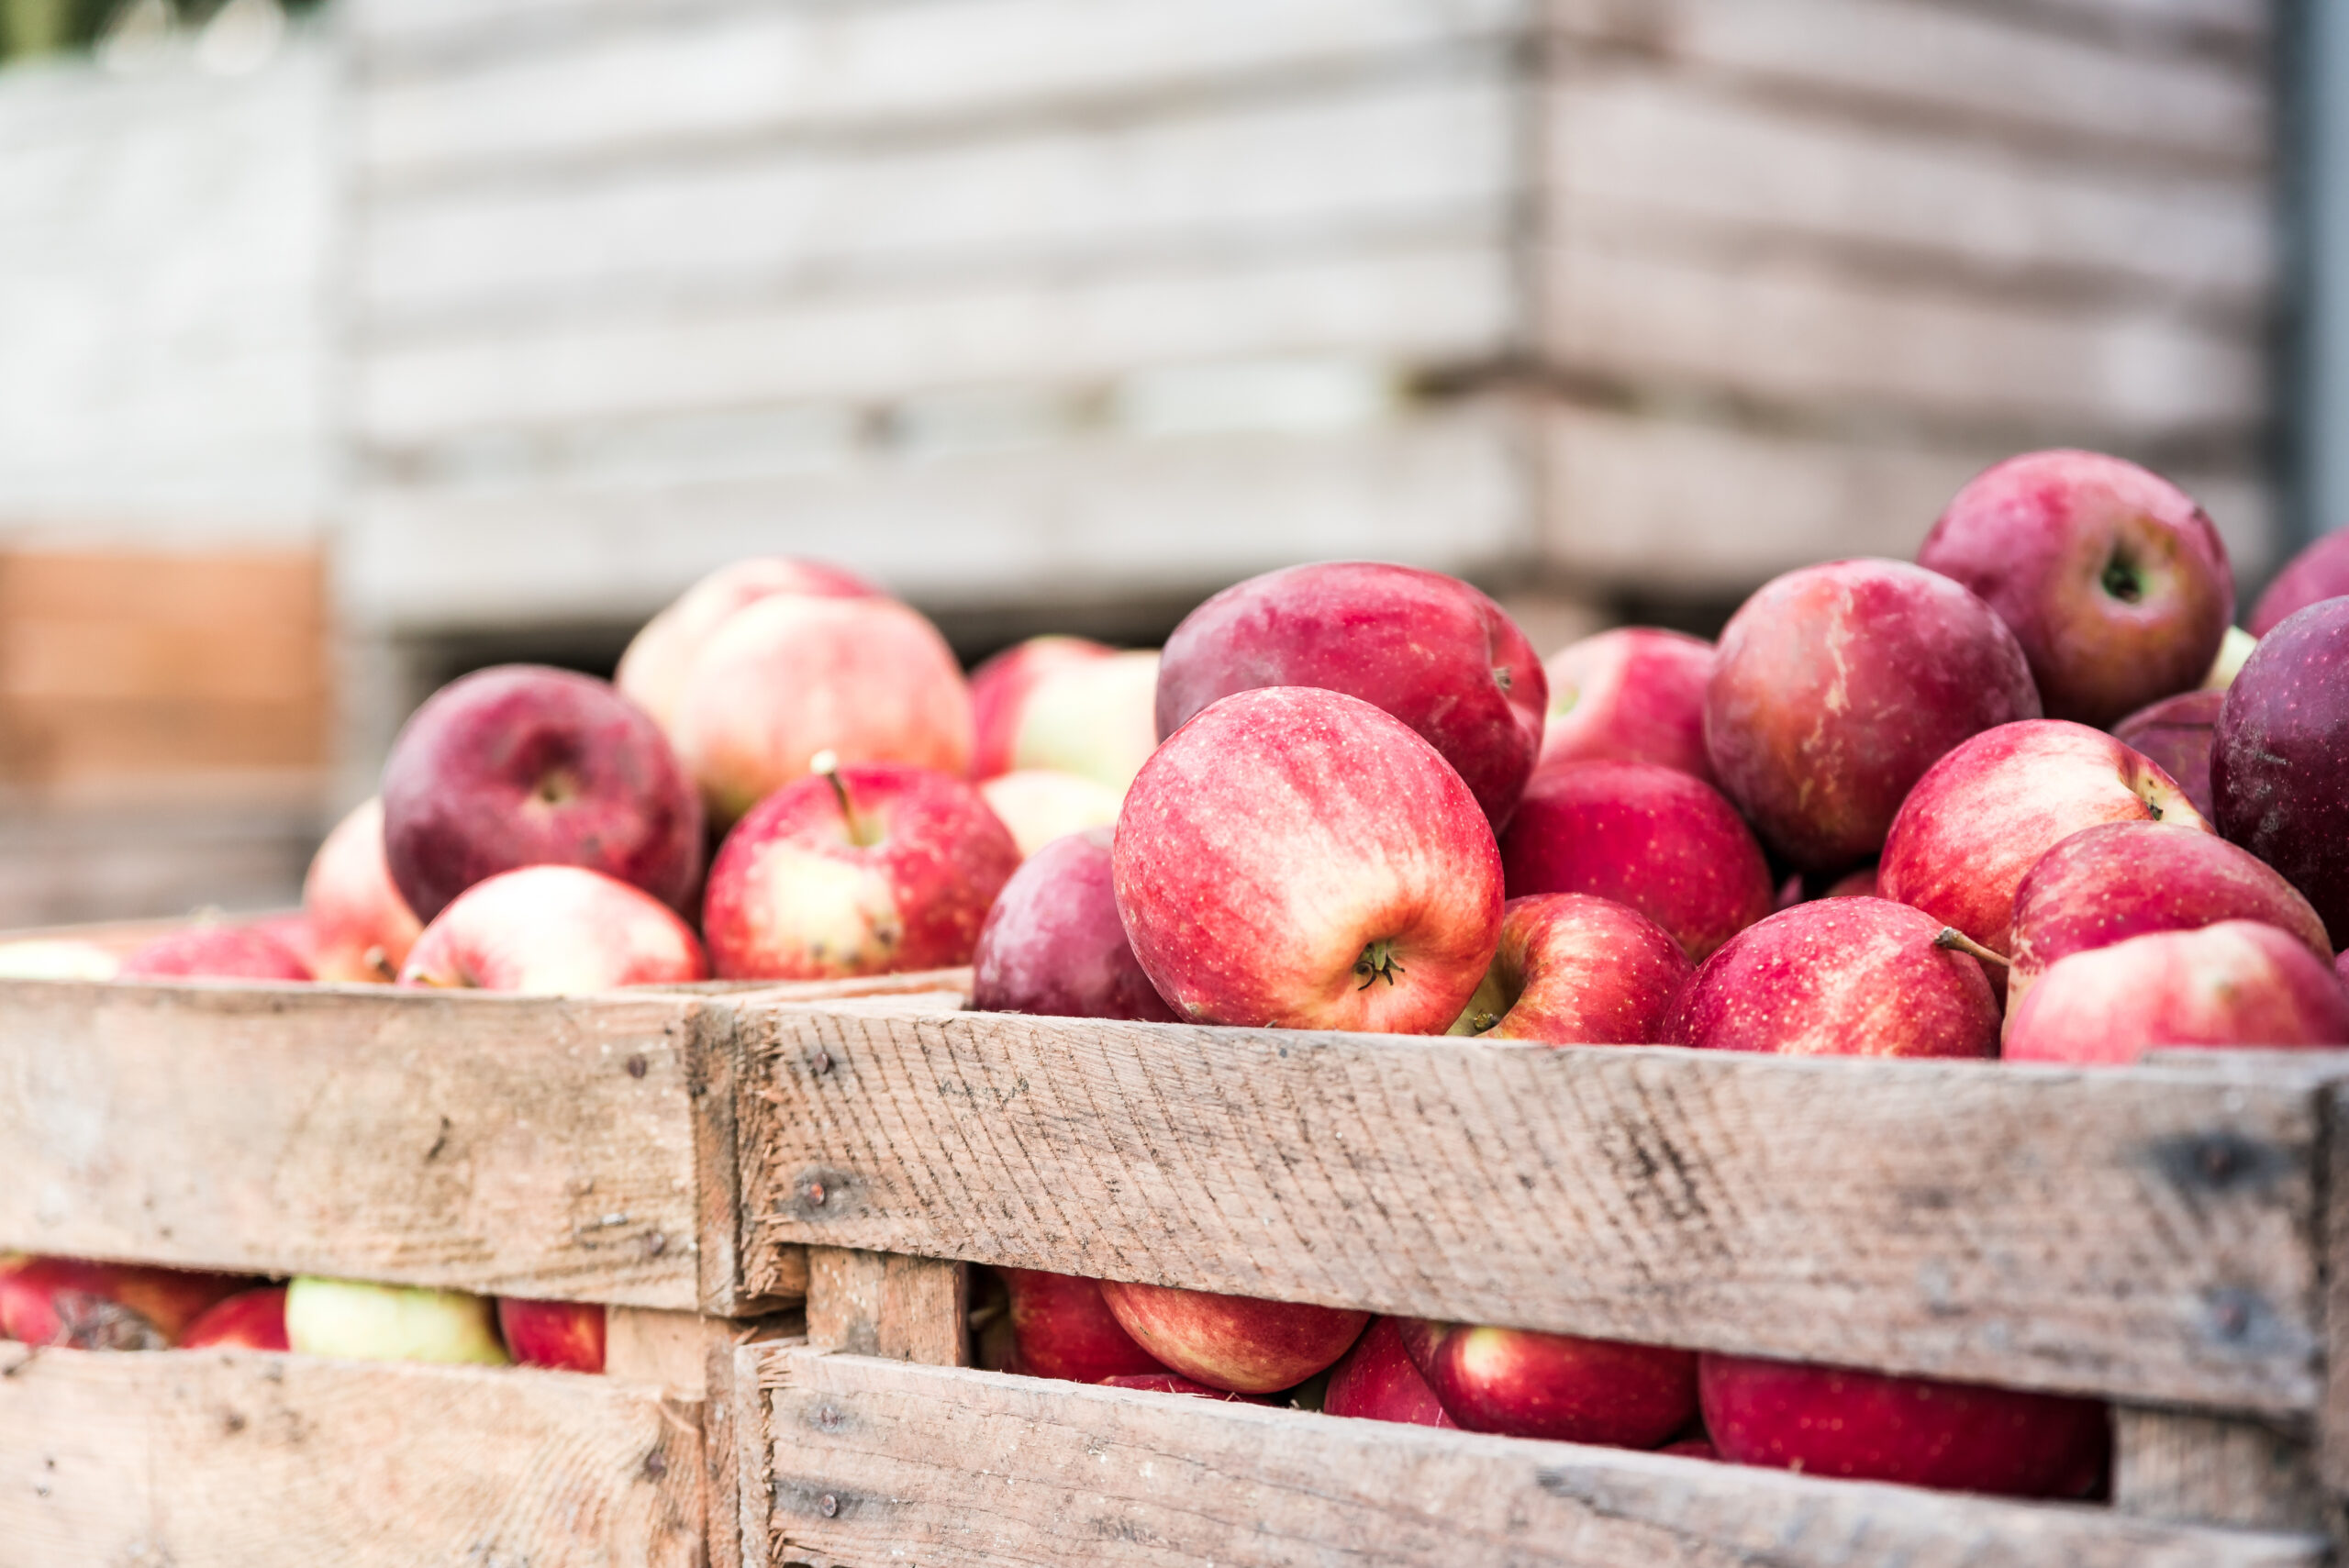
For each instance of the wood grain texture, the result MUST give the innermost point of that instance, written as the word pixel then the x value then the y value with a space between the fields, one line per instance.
pixel 535 1147
pixel 874 1460
pixel 2147 1233
pixel 207 1459
pixel 877 1304
pixel 649 1344
pixel 2210 1470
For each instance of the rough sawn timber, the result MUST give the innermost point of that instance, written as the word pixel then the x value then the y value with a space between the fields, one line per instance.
pixel 2146 1234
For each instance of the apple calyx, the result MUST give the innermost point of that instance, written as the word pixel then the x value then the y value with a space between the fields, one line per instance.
pixel 827 764
pixel 378 961
pixel 2122 579
pixel 556 787
pixel 1377 962
pixel 1502 678
pixel 1951 937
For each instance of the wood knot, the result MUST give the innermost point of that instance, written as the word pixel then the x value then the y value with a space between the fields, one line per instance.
pixel 637 1065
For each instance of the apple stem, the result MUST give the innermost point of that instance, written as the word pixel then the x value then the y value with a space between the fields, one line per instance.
pixel 1377 962
pixel 827 764
pixel 1951 938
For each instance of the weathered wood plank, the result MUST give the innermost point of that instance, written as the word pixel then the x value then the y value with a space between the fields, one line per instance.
pixel 2146 1234
pixel 526 1146
pixel 876 1304
pixel 650 1344
pixel 871 1459
pixel 205 1458
pixel 2210 1470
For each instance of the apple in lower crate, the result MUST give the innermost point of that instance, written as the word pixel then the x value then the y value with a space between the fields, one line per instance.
pixel 1377 1381
pixel 2319 572
pixel 1174 1383
pixel 659 662
pixel 1523 1383
pixel 565 1335
pixel 1068 705
pixel 1040 804
pixel 1573 969
pixel 1053 943
pixel 2111 578
pixel 791 676
pixel 1237 1342
pixel 2238 983
pixel 91 1305
pixel 1979 820
pixel 215 953
pixel 525 765
pixel 1430 649
pixel 360 929
pixel 1296 858
pixel 57 958
pixel 2176 734
pixel 2107 883
pixel 2279 771
pixel 1658 839
pixel 1632 695
pixel 1061 1328
pixel 355 1321
pixel 1836 687
pixel 1839 977
pixel 554 930
pixel 1865 1426
pixel 857 869
pixel 249 1321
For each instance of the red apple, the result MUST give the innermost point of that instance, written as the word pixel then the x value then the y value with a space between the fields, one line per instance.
pixel 1053 944
pixel 1653 837
pixel 2319 572
pixel 523 765
pixel 1174 1383
pixel 1693 1447
pixel 1000 688
pixel 1979 821
pixel 1428 649
pixel 1522 1384
pixel 2279 771
pixel 2112 579
pixel 2105 884
pixel 1860 883
pixel 559 930
pixel 1233 1341
pixel 2235 983
pixel 1040 804
pixel 1633 695
pixel 565 1335
pixel 1298 858
pixel 1378 1380
pixel 1835 687
pixel 1839 977
pixel 104 1306
pixel 215 953
pixel 1573 969
pixel 861 869
pixel 360 929
pixel 1066 704
pixel 354 1321
pixel 655 669
pixel 790 676
pixel 1915 1431
pixel 1061 1328
pixel 249 1321
pixel 2176 734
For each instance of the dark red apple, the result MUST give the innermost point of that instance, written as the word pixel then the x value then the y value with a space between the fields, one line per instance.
pixel 565 1335
pixel 1429 648
pixel 91 1305
pixel 2112 579
pixel 860 870
pixel 249 1321
pixel 1860 883
pixel 1061 1328
pixel 2176 733
pixel 2238 983
pixel 1296 857
pixel 1835 687
pixel 1377 1381
pixel 2319 572
pixel 1865 1426
pixel 1233 1341
pixel 1522 1384
pixel 215 953
pixel 1053 944
pixel 524 765
pixel 2279 771
pixel 1850 976
pixel 1658 839
pixel 1573 969
pixel 1632 695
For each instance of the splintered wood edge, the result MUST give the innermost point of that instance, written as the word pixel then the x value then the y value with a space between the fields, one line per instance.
pixel 865 1458
pixel 2147 1234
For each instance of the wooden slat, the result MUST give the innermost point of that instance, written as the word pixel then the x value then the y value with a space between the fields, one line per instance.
pixel 2213 1470
pixel 874 1460
pixel 524 1146
pixel 874 1304
pixel 208 1458
pixel 2037 1228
